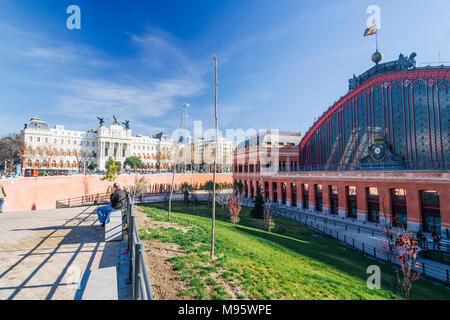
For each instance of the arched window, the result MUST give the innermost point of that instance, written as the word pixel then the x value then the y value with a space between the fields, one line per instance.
pixel 29 163
pixel 74 164
pixel 45 164
pixel 61 164
pixel 53 164
pixel 67 164
pixel 36 164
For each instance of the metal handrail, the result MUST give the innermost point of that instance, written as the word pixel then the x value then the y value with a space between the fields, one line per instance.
pixel 141 289
pixel 94 199
pixel 426 270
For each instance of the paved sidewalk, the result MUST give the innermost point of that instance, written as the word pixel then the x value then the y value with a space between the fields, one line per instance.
pixel 43 254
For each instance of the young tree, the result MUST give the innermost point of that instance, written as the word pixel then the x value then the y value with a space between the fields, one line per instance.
pixel 238 187
pixel 112 169
pixel 11 148
pixel 209 186
pixel 82 159
pixel 134 163
pixel 269 223
pixel 138 189
pixel 186 188
pixel 173 156
pixel 213 212
pixel 234 208
pixel 223 195
pixel 92 166
pixel 407 249
pixel 258 209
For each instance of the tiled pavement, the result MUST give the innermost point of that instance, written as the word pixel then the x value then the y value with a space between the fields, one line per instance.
pixel 43 254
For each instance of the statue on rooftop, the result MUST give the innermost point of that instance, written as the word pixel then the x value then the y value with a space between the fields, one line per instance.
pixel 352 83
pixel 115 120
pixel 101 120
pixel 126 124
pixel 406 63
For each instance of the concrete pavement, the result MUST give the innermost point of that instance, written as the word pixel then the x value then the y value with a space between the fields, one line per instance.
pixel 43 254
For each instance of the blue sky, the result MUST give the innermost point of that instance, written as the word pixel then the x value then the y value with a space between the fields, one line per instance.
pixel 281 63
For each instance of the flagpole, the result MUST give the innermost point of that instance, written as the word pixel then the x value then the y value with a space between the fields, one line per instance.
pixel 376 40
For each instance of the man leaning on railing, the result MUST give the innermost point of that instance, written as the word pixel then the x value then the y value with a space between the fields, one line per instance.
pixel 118 201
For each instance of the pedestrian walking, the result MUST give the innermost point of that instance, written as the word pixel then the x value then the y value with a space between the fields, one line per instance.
pixel 2 194
pixel 391 243
pixel 436 240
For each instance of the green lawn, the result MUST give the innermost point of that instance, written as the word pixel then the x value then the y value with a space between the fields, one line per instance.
pixel 292 262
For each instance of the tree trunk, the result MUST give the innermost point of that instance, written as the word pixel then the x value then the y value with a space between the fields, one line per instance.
pixel 213 220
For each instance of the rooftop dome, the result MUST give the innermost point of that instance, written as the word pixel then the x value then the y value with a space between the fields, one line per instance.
pixel 37 123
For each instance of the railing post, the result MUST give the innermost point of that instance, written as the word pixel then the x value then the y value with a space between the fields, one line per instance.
pixel 130 246
pixel 137 273
pixel 423 268
pixel 447 276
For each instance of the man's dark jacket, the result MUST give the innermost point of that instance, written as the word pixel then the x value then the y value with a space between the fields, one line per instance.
pixel 118 199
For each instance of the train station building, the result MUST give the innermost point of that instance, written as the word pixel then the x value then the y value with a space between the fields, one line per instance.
pixel 382 151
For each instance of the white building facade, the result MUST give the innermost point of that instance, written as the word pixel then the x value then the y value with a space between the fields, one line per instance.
pixel 69 150
pixel 58 148
pixel 203 154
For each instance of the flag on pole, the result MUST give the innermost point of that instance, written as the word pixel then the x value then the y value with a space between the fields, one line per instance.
pixel 370 31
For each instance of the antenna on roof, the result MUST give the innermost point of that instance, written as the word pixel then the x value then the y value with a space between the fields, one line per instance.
pixel 439 52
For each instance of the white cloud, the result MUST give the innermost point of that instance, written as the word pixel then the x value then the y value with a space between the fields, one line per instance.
pixel 83 98
pixel 78 82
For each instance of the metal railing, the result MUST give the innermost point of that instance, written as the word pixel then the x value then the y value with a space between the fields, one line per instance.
pixel 354 166
pixel 428 270
pixel 352 224
pixel 374 166
pixel 141 289
pixel 104 198
pixel 90 200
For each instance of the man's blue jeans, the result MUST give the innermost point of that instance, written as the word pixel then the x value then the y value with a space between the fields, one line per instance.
pixel 2 201
pixel 103 213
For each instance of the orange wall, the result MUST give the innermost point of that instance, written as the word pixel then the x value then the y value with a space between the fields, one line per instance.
pixel 42 192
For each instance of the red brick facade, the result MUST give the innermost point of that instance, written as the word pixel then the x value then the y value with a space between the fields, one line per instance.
pixel 412 182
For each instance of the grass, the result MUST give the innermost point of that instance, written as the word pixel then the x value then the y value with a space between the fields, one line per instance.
pixel 292 262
